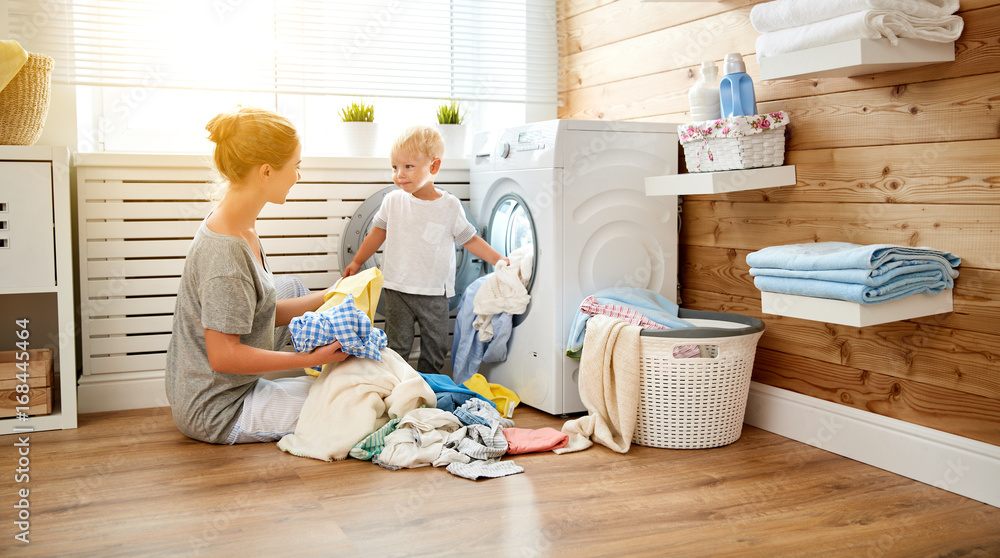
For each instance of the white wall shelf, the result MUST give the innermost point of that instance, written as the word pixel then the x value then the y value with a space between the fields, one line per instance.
pixel 720 182
pixel 855 314
pixel 855 58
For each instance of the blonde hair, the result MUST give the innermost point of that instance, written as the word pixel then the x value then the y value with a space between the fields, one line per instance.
pixel 248 138
pixel 423 140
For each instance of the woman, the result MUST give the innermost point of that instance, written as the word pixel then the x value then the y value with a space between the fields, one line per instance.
pixel 227 308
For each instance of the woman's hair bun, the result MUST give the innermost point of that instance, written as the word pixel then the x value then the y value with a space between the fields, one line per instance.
pixel 223 126
pixel 248 138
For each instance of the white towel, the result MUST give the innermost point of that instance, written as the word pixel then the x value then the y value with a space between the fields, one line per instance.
pixel 609 387
pixel 349 401
pixel 871 24
pixel 783 14
pixel 504 290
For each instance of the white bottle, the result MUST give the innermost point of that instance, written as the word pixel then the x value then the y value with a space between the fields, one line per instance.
pixel 704 95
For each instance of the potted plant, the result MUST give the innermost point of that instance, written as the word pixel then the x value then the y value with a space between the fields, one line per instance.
pixel 450 117
pixel 359 133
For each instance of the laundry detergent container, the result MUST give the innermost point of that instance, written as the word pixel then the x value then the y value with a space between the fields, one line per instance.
pixel 694 382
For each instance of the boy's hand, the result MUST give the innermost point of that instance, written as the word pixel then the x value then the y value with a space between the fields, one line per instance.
pixel 351 269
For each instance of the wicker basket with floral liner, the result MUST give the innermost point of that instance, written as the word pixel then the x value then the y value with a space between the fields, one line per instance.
pixel 24 103
pixel 738 142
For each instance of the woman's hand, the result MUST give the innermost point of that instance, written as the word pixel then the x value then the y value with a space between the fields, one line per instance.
pixel 329 353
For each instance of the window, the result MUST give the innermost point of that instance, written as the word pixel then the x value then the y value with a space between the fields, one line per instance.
pixel 151 73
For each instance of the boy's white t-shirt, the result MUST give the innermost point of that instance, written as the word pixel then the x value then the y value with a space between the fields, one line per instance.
pixel 418 256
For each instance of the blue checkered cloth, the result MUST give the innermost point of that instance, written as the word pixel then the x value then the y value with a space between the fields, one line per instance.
pixel 344 323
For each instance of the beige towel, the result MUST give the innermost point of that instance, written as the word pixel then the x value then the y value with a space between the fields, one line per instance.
pixel 609 386
pixel 12 57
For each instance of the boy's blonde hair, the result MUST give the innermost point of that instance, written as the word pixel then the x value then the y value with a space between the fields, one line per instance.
pixel 423 140
pixel 248 138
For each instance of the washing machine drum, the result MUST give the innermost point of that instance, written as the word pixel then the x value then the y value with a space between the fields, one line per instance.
pixel 467 267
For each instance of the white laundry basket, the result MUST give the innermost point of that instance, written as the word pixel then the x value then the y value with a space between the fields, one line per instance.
pixel 688 403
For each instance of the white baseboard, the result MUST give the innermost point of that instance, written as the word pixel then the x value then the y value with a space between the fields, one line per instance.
pixel 117 392
pixel 953 463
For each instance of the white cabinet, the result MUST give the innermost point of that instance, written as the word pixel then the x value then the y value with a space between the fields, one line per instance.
pixel 36 276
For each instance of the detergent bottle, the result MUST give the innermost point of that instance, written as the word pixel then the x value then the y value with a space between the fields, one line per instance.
pixel 736 88
pixel 704 95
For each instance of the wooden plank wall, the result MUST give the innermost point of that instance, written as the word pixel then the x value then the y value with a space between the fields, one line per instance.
pixel 910 157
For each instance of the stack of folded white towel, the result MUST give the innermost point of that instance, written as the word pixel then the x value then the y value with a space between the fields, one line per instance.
pixel 852 272
pixel 793 25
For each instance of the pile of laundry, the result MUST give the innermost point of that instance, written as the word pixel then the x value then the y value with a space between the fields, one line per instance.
pixel 387 412
pixel 865 274
pixel 794 25
pixel 377 407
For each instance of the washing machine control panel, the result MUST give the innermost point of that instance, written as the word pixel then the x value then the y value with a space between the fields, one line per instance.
pixel 529 146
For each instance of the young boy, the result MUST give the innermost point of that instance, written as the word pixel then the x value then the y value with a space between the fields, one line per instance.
pixel 419 225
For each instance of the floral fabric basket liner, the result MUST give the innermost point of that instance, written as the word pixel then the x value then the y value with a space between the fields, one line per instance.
pixel 733 128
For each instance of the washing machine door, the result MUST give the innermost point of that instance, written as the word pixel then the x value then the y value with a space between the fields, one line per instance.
pixel 511 227
pixel 467 267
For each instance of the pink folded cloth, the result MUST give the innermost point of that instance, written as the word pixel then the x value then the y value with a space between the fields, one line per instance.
pixel 593 307
pixel 528 440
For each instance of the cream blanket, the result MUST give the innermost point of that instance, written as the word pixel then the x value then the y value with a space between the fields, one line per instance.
pixel 609 387
pixel 349 401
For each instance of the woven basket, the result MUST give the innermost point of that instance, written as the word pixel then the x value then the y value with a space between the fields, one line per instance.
pixel 24 103
pixel 766 149
pixel 689 403
pixel 734 143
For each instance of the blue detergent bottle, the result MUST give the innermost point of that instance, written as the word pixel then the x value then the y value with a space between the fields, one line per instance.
pixel 736 88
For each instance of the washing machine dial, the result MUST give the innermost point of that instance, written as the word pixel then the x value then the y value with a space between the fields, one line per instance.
pixel 504 150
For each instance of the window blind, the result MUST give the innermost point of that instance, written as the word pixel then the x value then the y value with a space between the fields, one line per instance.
pixel 431 49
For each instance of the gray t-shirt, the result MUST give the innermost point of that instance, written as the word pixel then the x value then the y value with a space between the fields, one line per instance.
pixel 223 288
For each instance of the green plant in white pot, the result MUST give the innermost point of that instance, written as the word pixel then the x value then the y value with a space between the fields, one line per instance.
pixel 450 117
pixel 359 133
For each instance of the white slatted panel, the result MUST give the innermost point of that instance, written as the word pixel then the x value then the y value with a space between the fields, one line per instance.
pixel 136 221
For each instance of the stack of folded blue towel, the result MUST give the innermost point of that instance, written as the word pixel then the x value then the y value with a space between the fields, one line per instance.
pixel 852 272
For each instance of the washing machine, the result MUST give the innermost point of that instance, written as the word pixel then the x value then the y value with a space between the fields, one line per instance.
pixel 575 191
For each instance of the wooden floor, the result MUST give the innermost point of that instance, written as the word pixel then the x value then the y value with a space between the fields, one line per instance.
pixel 128 484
